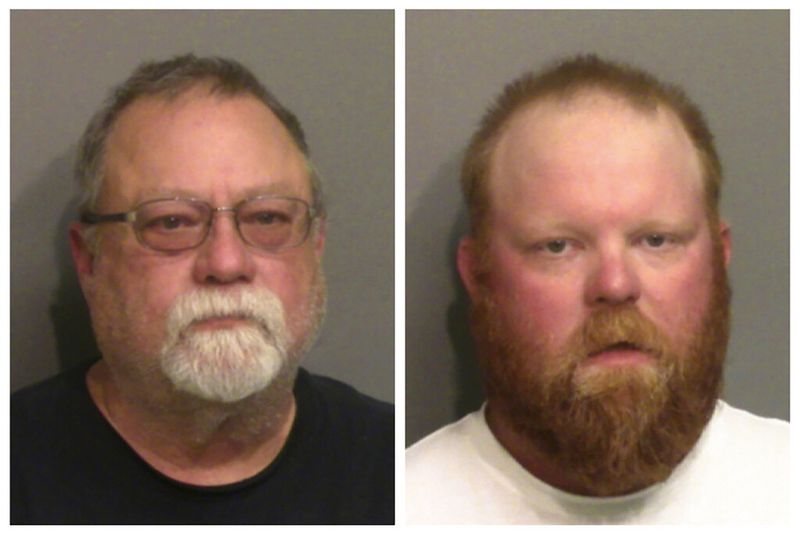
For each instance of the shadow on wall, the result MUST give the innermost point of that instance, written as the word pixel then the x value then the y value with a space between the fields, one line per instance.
pixel 442 378
pixel 470 391
pixel 68 311
pixel 49 323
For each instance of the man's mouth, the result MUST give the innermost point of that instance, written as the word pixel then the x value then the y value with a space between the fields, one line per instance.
pixel 622 352
pixel 618 346
pixel 219 322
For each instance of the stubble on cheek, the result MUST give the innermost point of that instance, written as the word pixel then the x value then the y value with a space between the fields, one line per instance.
pixel 129 332
pixel 308 319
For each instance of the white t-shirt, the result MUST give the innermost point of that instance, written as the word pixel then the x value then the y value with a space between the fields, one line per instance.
pixel 737 473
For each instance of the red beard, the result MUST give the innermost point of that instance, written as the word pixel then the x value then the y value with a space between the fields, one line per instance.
pixel 611 430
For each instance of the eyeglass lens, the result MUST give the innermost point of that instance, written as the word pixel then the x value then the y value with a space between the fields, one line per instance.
pixel 267 223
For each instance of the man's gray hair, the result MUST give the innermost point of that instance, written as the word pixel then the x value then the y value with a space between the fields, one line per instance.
pixel 170 79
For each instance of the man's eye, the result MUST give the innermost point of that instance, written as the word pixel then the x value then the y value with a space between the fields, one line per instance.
pixel 554 246
pixel 170 222
pixel 557 246
pixel 268 218
pixel 655 240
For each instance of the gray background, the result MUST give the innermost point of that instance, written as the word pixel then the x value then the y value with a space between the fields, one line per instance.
pixel 335 70
pixel 733 64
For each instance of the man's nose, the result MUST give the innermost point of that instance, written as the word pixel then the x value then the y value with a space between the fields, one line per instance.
pixel 224 257
pixel 613 279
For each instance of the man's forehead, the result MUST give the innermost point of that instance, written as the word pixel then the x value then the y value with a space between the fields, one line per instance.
pixel 160 146
pixel 587 103
pixel 194 100
pixel 587 130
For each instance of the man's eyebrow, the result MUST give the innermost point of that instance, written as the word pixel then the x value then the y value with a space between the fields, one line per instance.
pixel 550 226
pixel 274 188
pixel 152 193
pixel 539 229
pixel 682 226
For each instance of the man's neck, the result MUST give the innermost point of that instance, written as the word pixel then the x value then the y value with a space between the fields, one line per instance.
pixel 198 442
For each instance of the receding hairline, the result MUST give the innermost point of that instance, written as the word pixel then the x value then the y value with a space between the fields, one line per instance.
pixel 513 103
pixel 171 78
pixel 586 100
pixel 172 102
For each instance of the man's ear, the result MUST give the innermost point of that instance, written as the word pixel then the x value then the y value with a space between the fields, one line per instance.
pixel 468 260
pixel 725 239
pixel 82 255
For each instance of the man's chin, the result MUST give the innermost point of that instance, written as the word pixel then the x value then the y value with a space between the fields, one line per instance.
pixel 203 394
pixel 633 381
pixel 220 391
pixel 223 366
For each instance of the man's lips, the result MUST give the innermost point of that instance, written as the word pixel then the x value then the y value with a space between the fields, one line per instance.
pixel 619 354
pixel 222 321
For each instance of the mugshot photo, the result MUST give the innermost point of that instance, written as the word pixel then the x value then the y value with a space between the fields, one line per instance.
pixel 597 266
pixel 202 221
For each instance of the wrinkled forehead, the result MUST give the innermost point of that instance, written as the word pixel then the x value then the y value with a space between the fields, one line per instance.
pixel 590 135
pixel 191 140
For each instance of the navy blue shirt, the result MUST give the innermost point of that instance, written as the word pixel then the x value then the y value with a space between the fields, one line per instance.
pixel 69 466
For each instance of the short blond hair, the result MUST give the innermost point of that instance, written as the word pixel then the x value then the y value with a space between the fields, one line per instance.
pixel 564 79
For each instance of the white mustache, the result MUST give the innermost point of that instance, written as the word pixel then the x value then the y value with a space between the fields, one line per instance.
pixel 225 364
pixel 258 305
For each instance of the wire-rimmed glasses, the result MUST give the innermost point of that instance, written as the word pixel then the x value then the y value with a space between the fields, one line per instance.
pixel 270 223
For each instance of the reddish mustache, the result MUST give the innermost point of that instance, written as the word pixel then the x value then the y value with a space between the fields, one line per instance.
pixel 619 345
pixel 621 329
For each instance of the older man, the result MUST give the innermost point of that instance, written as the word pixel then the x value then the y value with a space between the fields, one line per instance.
pixel 596 267
pixel 199 253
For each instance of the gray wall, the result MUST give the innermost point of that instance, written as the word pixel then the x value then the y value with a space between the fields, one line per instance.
pixel 335 70
pixel 733 64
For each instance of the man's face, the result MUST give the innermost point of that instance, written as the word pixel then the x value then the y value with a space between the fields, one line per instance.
pixel 600 295
pixel 221 150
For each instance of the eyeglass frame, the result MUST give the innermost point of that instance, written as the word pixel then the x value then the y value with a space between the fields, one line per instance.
pixel 91 218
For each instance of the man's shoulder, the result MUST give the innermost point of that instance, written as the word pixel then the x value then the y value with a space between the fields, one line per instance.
pixel 742 420
pixel 330 409
pixel 444 442
pixel 345 440
pixel 450 472
pixel 48 417
pixel 57 440
pixel 344 398
pixel 739 432
pixel 51 399
pixel 741 464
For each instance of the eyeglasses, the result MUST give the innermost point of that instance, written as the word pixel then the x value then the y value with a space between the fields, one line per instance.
pixel 175 224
